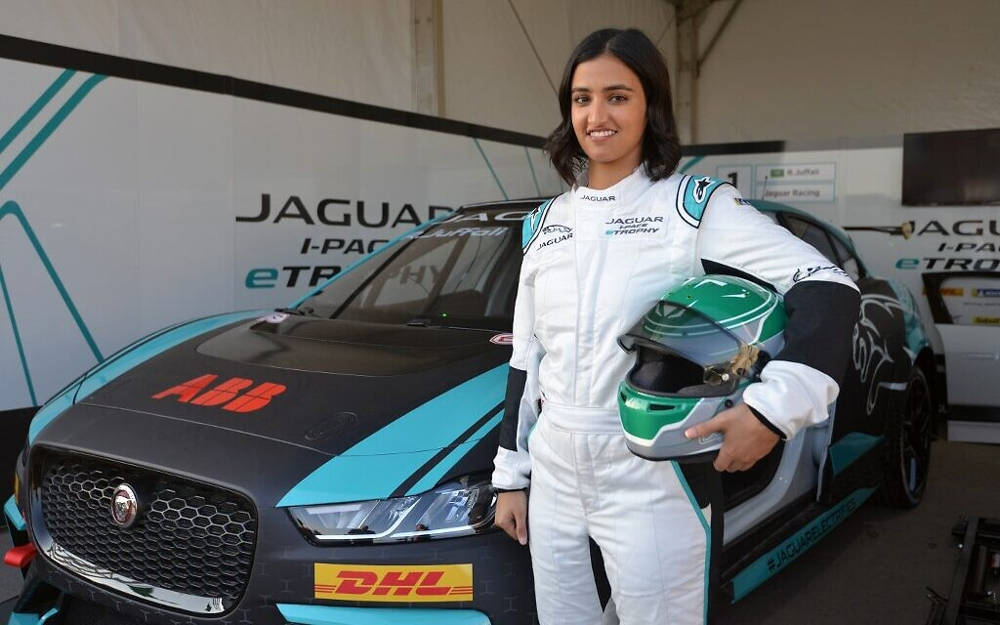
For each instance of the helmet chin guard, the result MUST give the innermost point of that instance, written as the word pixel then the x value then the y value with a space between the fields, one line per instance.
pixel 697 350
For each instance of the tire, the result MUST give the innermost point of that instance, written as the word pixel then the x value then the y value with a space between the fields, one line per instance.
pixel 908 434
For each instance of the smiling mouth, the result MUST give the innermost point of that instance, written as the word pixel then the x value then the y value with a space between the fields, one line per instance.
pixel 601 133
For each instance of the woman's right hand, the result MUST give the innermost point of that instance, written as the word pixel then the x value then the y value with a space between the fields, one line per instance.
pixel 512 514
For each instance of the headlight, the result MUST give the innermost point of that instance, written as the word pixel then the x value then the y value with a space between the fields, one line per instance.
pixel 465 506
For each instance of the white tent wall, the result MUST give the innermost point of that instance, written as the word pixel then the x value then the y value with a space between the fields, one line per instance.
pixel 820 69
pixel 493 77
pixel 362 51
pixel 342 48
pixel 780 70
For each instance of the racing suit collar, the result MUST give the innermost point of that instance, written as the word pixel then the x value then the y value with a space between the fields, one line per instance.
pixel 622 192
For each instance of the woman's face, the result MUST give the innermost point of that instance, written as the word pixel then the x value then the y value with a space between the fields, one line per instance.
pixel 608 111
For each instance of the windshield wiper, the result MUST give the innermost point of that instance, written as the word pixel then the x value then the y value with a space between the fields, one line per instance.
pixel 421 322
pixel 306 311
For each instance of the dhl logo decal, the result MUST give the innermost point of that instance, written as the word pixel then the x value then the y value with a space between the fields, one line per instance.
pixel 227 393
pixel 359 582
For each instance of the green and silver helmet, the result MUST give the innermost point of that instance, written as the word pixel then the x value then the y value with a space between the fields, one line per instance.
pixel 696 350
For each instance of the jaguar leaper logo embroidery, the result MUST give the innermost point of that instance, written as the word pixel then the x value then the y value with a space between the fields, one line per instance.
pixel 555 228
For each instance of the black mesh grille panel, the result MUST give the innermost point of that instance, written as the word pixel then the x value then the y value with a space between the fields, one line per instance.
pixel 189 537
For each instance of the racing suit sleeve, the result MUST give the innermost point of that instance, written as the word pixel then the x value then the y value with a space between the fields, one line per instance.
pixel 512 465
pixel 821 301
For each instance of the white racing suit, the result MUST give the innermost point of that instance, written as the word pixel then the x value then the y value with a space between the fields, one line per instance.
pixel 594 262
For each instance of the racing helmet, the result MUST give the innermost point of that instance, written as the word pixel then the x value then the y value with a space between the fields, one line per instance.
pixel 696 351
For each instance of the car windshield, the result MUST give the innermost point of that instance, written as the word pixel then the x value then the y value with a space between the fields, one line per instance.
pixel 461 272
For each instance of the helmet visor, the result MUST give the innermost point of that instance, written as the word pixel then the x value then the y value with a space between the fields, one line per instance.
pixel 685 332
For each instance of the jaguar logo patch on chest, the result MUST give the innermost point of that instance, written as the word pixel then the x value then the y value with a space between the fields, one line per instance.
pixel 625 226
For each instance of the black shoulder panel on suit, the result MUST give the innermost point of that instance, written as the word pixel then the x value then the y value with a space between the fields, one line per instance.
pixel 821 319
pixel 516 379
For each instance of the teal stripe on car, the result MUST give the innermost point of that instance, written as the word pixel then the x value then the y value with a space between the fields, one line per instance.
pixel 708 533
pixel 114 367
pixel 747 580
pixel 371 470
pixel 337 615
pixel 52 409
pixel 14 515
pixel 849 448
pixel 430 480
pixel 28 618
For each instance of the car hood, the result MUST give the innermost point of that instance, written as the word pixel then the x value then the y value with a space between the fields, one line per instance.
pixel 333 387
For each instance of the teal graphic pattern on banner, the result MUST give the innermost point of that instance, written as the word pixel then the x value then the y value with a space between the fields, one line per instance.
pixel 49 127
pixel 33 110
pixel 17 338
pixel 531 166
pixel 11 208
pixel 688 165
pixel 490 167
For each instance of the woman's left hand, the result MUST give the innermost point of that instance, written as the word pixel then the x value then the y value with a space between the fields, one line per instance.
pixel 745 439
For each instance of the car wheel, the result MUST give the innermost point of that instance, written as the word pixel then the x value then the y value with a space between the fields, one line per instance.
pixel 908 434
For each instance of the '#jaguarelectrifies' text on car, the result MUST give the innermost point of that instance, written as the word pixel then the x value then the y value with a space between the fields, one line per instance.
pixel 330 462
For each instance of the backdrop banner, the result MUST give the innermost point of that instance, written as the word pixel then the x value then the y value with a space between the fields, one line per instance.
pixel 127 206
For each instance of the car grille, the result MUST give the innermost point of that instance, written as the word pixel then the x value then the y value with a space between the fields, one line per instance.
pixel 189 537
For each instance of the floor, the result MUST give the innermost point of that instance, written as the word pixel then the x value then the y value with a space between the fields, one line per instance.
pixel 876 566
pixel 873 569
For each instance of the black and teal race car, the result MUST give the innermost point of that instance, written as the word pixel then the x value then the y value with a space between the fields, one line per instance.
pixel 329 463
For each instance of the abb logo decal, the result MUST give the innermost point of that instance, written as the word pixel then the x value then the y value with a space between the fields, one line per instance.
pixel 227 393
pixel 408 584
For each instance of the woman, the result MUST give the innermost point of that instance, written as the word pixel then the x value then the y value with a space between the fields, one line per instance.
pixel 595 259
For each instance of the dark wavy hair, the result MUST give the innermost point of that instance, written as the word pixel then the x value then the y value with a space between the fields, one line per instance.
pixel 661 149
